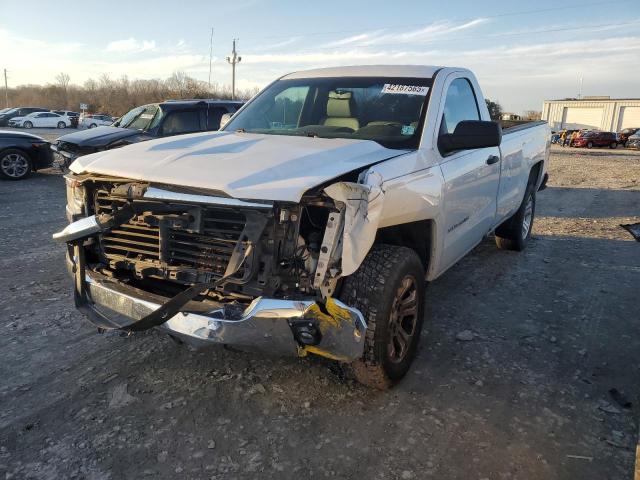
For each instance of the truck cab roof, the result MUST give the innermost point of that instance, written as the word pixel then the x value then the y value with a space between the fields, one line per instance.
pixel 415 71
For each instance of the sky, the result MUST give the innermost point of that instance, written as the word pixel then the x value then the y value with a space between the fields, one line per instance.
pixel 521 52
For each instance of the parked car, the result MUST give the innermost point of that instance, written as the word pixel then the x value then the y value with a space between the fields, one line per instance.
pixel 624 135
pixel 22 153
pixel 634 141
pixel 592 139
pixel 40 120
pixel 71 116
pixel 310 223
pixel 18 112
pixel 95 120
pixel 145 123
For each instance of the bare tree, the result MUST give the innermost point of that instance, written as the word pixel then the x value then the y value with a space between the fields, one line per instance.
pixel 62 82
pixel 116 97
pixel 532 115
pixel 495 109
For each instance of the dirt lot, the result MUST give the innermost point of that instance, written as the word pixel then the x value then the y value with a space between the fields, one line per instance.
pixel 555 328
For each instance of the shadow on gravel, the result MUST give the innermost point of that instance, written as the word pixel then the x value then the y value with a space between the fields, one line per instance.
pixel 603 203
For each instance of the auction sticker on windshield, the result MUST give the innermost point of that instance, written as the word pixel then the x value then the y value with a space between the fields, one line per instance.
pixel 405 89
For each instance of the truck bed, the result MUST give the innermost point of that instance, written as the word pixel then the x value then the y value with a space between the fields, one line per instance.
pixel 510 126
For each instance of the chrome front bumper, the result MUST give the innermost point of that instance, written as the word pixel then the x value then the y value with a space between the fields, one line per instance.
pixel 271 325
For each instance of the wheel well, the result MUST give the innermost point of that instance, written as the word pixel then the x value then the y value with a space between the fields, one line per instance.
pixel 2 150
pixel 414 235
pixel 535 175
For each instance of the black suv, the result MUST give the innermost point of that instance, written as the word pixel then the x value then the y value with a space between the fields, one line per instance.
pixel 172 117
pixel 18 112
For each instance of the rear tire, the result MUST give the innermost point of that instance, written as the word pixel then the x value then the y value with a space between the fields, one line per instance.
pixel 62 125
pixel 14 164
pixel 388 289
pixel 614 145
pixel 515 232
pixel 93 125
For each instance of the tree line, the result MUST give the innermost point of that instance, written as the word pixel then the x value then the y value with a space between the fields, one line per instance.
pixel 116 96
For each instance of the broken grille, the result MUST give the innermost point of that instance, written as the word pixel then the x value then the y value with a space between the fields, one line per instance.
pixel 142 239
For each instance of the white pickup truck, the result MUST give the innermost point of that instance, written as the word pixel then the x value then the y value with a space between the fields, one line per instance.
pixel 311 222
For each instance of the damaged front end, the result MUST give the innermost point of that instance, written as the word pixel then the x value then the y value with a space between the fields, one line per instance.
pixel 214 269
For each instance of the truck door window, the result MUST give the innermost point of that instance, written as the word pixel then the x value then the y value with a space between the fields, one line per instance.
pixel 459 105
pixel 181 122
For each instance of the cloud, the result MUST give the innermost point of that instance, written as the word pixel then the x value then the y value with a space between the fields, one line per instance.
pixel 421 35
pixel 273 46
pixel 160 66
pixel 11 44
pixel 35 61
pixel 130 45
pixel 363 37
pixel 519 72
pixel 520 75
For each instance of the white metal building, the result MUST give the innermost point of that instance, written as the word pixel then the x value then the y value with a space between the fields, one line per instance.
pixel 601 113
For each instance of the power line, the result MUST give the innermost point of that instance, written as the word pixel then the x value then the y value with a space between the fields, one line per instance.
pixel 412 25
pixel 495 35
pixel 372 44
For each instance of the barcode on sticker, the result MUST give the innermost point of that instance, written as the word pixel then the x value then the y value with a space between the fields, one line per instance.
pixel 405 89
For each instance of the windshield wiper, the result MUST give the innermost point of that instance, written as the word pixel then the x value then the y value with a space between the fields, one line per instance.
pixel 240 130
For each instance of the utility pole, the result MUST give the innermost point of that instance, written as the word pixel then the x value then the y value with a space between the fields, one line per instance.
pixel 6 90
pixel 233 59
pixel 580 88
pixel 210 56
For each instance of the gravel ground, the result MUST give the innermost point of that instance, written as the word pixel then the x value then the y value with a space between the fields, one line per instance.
pixel 519 352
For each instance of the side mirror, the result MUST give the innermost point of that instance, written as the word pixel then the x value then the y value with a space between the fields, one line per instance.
pixel 225 119
pixel 470 134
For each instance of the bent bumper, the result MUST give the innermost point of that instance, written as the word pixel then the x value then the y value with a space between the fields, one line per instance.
pixel 279 326
pixel 68 155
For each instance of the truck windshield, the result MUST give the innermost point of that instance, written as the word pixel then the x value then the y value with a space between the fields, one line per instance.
pixel 140 118
pixel 386 110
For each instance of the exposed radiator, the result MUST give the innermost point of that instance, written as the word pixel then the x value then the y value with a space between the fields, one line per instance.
pixel 141 240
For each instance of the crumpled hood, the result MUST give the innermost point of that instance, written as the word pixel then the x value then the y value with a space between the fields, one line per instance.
pixel 98 137
pixel 243 165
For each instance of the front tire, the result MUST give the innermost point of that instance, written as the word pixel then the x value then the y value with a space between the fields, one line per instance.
pixel 27 125
pixel 515 232
pixel 93 125
pixel 14 165
pixel 389 290
pixel 590 145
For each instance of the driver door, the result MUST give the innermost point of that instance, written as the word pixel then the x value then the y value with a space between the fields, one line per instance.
pixel 471 177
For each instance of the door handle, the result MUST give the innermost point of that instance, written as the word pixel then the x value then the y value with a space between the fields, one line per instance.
pixel 492 159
